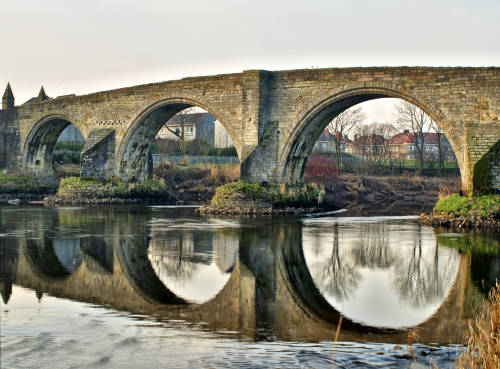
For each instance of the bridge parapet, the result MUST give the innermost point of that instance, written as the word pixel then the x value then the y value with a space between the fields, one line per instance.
pixel 274 118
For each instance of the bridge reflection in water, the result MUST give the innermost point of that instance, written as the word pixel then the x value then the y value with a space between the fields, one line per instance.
pixel 286 279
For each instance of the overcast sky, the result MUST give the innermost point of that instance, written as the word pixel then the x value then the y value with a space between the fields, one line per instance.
pixel 86 46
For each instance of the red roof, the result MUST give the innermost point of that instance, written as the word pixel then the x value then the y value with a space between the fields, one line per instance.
pixel 406 138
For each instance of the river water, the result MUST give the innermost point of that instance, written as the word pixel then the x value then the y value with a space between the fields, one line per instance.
pixel 159 286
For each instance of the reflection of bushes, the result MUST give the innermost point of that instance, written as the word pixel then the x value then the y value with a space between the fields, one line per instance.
pixel 477 243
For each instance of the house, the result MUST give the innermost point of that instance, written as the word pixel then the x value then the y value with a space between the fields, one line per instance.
pixel 402 146
pixel 200 126
pixel 326 142
pixel 363 145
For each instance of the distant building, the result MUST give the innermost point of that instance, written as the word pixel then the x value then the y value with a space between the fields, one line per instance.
pixel 402 146
pixel 362 145
pixel 71 134
pixel 200 126
pixel 326 142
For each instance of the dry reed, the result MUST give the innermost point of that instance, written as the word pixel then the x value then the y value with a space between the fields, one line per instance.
pixel 222 174
pixel 446 190
pixel 483 337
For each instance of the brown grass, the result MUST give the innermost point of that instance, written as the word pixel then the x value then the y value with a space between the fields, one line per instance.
pixel 222 174
pixel 483 337
pixel 446 190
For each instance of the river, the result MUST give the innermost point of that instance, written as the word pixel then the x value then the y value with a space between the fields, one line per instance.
pixel 160 286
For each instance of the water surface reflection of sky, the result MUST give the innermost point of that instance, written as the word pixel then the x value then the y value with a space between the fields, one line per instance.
pixel 380 274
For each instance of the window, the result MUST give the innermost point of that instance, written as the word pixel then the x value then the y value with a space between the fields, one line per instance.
pixel 190 130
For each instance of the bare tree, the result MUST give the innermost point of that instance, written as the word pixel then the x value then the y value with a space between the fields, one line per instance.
pixel 440 137
pixel 371 143
pixel 342 125
pixel 410 117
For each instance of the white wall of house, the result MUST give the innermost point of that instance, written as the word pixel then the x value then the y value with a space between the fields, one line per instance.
pixel 189 132
pixel 221 137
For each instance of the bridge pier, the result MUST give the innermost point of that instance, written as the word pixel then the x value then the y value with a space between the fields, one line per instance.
pixel 97 159
pixel 274 119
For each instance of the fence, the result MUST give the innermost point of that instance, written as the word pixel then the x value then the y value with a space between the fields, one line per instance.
pixel 190 160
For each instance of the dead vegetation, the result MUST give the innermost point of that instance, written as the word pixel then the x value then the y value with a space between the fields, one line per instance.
pixel 196 183
pixel 483 337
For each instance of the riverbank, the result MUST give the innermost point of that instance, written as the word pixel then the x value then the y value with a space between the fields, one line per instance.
pixel 357 193
pixel 73 190
pixel 28 188
pixel 454 211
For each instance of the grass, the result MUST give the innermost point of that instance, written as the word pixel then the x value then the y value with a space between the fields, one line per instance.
pixel 22 183
pixel 277 195
pixel 483 337
pixel 76 187
pixel 486 206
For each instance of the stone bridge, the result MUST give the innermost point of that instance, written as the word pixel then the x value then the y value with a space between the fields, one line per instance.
pixel 274 118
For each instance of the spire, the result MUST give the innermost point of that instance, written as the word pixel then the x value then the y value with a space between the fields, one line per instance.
pixel 42 96
pixel 8 98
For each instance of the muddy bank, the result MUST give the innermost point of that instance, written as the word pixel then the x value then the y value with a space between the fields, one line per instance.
pixel 26 188
pixel 405 192
pixel 77 191
pixel 455 211
pixel 265 199
pixel 459 222
pixel 80 200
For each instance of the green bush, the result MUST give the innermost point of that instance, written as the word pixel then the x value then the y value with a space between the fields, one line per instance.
pixel 486 206
pixel 277 195
pixel 76 187
pixel 26 183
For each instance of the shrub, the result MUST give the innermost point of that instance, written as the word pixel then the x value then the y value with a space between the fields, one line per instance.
pixel 487 205
pixel 26 183
pixel 271 195
pixel 76 187
pixel 321 169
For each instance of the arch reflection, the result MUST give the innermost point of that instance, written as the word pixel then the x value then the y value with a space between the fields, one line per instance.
pixel 54 258
pixel 377 276
pixel 195 266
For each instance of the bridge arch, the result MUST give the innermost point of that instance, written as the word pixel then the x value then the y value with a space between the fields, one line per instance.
pixel 134 151
pixel 311 122
pixel 40 143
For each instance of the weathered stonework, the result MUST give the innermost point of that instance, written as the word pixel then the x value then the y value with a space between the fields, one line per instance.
pixel 274 118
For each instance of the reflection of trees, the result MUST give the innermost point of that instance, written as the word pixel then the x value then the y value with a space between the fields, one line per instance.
pixel 373 250
pixel 421 274
pixel 175 257
pixel 425 277
pixel 337 277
